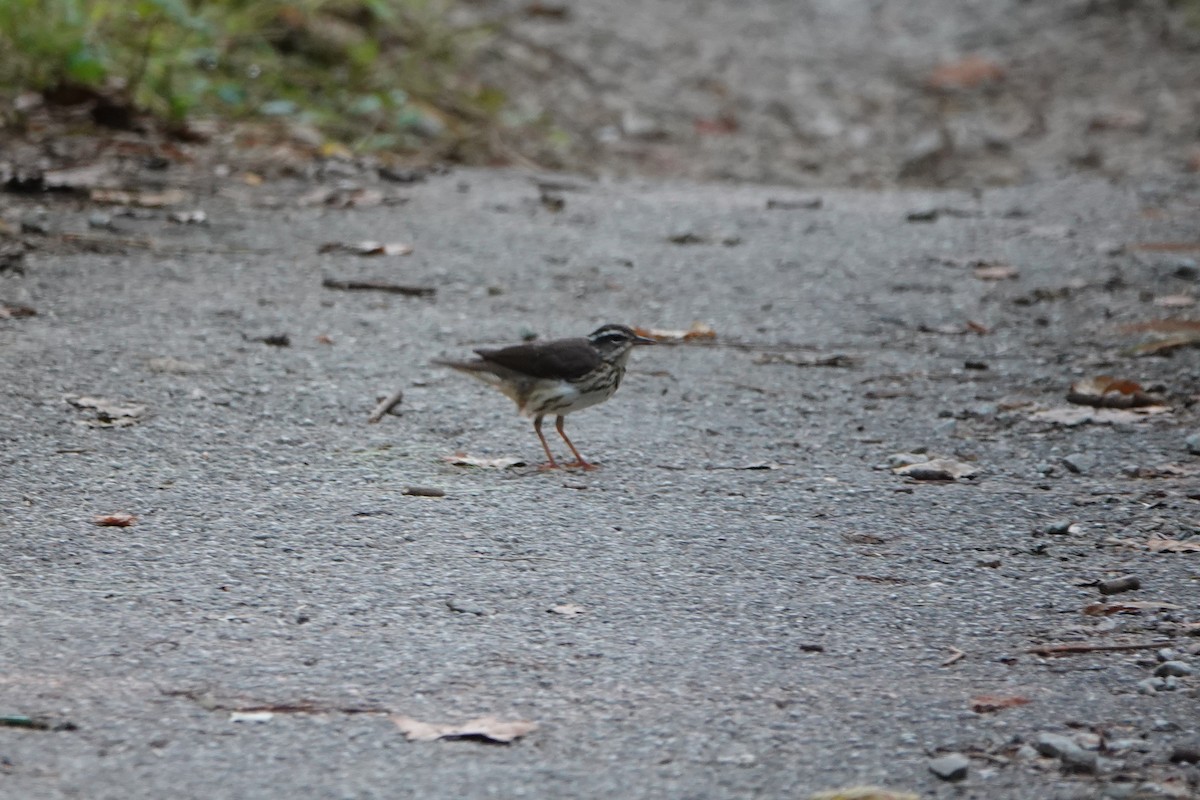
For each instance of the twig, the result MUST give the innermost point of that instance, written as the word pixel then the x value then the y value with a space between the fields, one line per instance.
pixel 390 402
pixel 1071 649
pixel 379 286
pixel 956 656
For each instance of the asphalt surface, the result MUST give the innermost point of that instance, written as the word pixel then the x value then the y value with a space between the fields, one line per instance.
pixel 766 612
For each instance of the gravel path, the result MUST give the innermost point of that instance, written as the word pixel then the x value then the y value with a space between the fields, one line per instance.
pixel 745 600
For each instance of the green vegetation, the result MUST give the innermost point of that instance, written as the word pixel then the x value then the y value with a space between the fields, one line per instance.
pixel 369 74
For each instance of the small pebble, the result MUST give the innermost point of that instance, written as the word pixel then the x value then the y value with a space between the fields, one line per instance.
pixel 1166 654
pixel 1053 744
pixel 466 607
pixel 1060 527
pixel 951 767
pixel 1186 753
pixel 1026 752
pixel 1117 585
pixel 1193 444
pixel 1164 726
pixel 423 491
pixel 1079 463
pixel 1151 686
pixel 1079 760
pixel 1186 268
pixel 1178 669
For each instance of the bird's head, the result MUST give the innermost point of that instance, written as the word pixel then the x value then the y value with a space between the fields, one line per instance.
pixel 614 342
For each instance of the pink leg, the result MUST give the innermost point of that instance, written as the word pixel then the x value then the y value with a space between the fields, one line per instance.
pixel 579 462
pixel 537 428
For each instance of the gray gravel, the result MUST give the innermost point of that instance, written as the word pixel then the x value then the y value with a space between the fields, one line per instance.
pixel 764 613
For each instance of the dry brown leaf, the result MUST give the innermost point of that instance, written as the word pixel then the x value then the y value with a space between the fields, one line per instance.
pixel 862 793
pixel 488 729
pixel 995 272
pixel 367 248
pixel 991 703
pixel 966 73
pixel 169 197
pixel 1127 607
pixel 1105 391
pixel 1175 301
pixel 1070 416
pixel 1166 247
pixel 937 469
pixel 109 413
pixel 1173 546
pixel 15 312
pixel 501 462
pixel 118 520
pixel 699 331
pixel 1173 333
pixel 716 126
pixel 567 610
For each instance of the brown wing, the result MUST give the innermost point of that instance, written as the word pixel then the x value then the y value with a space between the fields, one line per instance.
pixel 565 358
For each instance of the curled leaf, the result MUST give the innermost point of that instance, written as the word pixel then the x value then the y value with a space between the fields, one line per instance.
pixel 1105 391
pixel 488 729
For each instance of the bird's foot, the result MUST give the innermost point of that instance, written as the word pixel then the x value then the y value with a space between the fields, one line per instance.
pixel 581 464
pixel 549 465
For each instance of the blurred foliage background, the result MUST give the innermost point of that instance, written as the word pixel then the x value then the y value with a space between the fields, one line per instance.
pixel 367 75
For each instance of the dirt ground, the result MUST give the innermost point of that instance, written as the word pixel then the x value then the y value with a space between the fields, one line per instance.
pixel 882 530
pixel 861 92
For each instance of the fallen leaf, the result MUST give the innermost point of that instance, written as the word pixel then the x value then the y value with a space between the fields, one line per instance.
pixel 1070 416
pixel 342 197
pixel 1172 332
pixel 995 272
pixel 1166 247
pixel 1105 391
pixel 567 610
pixel 965 73
pixel 552 11
pixel 699 331
pixel 1118 119
pixel 379 286
pixel 464 460
pixel 16 312
pixel 118 520
pixel 805 203
pixel 109 413
pixel 488 729
pixel 1173 546
pixel 1128 606
pixel 194 217
pixel 862 793
pixel 716 126
pixel 937 469
pixel 991 703
pixel 835 360
pixel 170 197
pixel 1175 301
pixel 367 248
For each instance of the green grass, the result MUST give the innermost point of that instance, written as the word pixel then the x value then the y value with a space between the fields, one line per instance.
pixel 369 74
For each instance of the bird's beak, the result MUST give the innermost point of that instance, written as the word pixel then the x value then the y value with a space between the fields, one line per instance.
pixel 644 340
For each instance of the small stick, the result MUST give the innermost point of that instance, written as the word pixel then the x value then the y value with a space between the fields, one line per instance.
pixel 390 402
pixel 379 286
pixel 1071 649
pixel 956 656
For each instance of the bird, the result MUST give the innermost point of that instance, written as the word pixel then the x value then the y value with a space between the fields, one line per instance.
pixel 557 377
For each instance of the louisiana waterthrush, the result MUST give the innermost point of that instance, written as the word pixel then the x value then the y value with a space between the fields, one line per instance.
pixel 557 377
